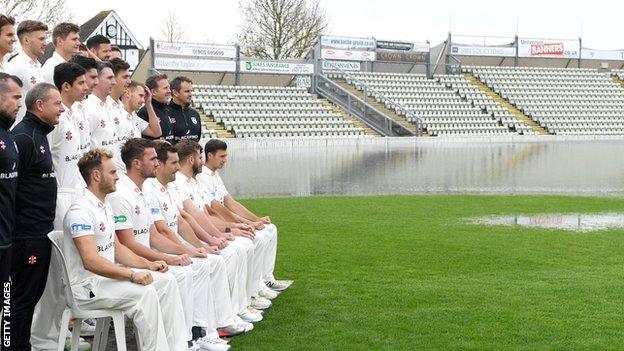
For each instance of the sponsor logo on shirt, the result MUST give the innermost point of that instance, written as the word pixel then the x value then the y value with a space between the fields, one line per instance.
pixel 154 211
pixel 141 231
pixel 194 120
pixel 172 120
pixel 72 158
pixel 120 219
pixel 80 227
pixel 8 175
pixel 105 247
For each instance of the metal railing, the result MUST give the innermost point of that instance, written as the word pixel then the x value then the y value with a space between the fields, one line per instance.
pixel 372 117
pixel 368 90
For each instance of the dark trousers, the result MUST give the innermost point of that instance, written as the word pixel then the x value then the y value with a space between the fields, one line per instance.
pixel 5 280
pixel 29 271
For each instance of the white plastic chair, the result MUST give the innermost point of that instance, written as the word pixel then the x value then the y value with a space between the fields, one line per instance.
pixel 72 311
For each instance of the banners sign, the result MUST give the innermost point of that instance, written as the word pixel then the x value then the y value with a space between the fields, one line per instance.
pixel 178 64
pixel 421 47
pixel 276 67
pixel 394 45
pixel 342 65
pixel 348 55
pixel 555 48
pixel 198 50
pixel 498 51
pixel 614 55
pixel 402 56
pixel 347 43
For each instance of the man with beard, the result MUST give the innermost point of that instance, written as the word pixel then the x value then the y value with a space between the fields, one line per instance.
pixel 10 100
pixel 134 226
pixel 99 47
pixel 32 36
pixel 234 241
pixel 104 274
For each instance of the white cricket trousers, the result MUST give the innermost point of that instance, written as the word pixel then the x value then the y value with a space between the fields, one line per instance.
pixel 155 309
pixel 47 316
pixel 269 263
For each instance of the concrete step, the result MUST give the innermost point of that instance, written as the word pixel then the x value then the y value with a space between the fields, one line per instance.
pixel 519 115
pixel 345 115
pixel 379 106
pixel 210 123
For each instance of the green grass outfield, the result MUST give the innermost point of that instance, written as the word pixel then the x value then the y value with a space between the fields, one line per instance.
pixel 408 273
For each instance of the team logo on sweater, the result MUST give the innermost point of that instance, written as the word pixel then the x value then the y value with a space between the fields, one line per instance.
pixel 103 123
pixel 194 120
pixel 68 135
pixel 137 210
pixel 42 149
pixel 33 80
pixel 81 126
pixel 2 144
pixel 165 207
pixel 102 226
pixel 116 119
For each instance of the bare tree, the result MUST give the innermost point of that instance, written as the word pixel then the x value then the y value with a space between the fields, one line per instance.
pixel 172 30
pixel 280 29
pixel 50 12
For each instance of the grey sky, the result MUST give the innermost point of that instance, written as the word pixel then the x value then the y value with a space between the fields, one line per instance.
pixel 217 21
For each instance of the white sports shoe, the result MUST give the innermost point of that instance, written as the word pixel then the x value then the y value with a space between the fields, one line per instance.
pixel 267 293
pixel 240 322
pixel 279 285
pixel 211 344
pixel 260 303
pixel 250 317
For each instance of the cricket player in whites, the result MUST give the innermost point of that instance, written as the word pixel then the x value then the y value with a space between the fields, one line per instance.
pixel 215 153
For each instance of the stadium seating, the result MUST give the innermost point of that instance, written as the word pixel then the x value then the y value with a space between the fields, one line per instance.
pixel 260 111
pixel 446 105
pixel 562 100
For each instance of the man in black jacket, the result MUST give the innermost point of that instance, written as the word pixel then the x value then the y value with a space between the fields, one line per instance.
pixel 161 94
pixel 184 119
pixel 10 102
pixel 35 205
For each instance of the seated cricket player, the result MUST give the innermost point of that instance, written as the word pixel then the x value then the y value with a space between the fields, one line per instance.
pixel 170 223
pixel 237 239
pixel 105 274
pixel 224 204
pixel 134 224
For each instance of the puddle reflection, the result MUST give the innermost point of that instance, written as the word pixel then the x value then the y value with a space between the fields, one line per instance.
pixel 572 222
